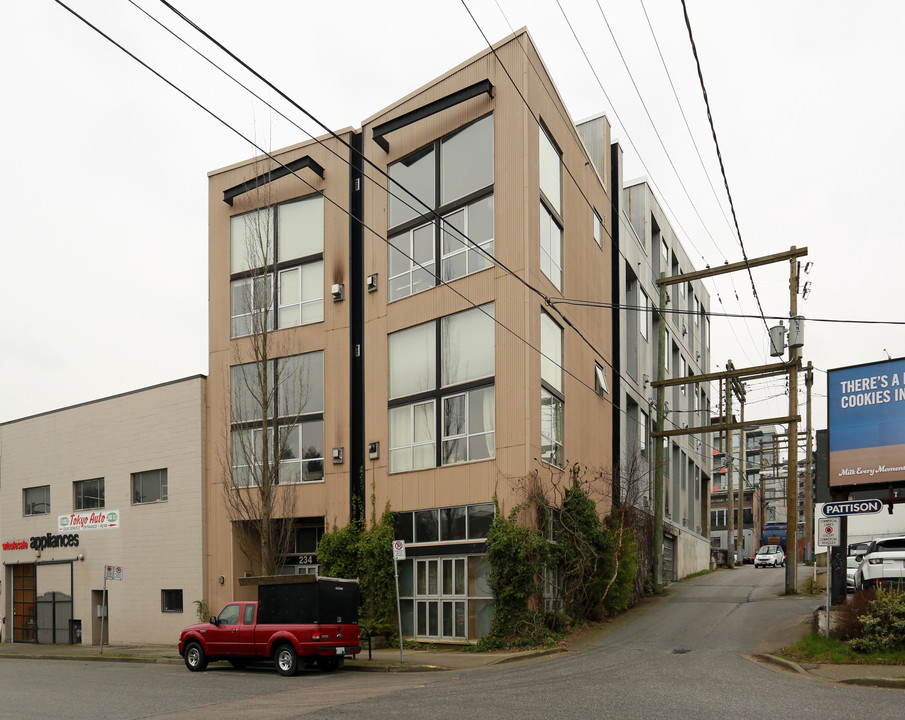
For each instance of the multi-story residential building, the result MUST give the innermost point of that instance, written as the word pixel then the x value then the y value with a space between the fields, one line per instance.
pixel 106 494
pixel 748 472
pixel 424 361
pixel 647 247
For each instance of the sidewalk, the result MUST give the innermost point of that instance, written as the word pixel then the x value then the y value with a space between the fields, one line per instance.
pixel 438 658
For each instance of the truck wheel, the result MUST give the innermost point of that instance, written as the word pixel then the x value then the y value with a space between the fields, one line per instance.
pixel 195 659
pixel 286 660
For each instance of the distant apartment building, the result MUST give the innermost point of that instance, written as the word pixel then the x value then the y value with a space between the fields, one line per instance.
pixel 647 247
pixel 104 495
pixel 424 358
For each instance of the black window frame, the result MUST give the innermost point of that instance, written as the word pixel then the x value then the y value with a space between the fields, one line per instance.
pixel 25 503
pixel 171 594
pixel 163 485
pixel 78 494
pixel 277 421
pixel 440 391
pixel 435 214
pixel 276 266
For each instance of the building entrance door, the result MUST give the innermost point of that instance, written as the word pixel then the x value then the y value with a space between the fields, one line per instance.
pixel 24 603
pixel 53 603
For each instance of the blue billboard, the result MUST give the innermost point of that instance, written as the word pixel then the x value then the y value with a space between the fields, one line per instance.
pixel 867 423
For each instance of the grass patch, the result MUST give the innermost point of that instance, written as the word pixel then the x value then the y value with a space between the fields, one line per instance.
pixel 706 571
pixel 819 649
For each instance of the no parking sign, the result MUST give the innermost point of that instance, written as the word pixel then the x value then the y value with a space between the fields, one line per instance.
pixel 828 532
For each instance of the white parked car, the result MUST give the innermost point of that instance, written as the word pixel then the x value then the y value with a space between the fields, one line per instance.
pixel 770 555
pixel 882 564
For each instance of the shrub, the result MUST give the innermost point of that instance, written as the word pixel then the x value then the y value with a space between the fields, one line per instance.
pixel 882 625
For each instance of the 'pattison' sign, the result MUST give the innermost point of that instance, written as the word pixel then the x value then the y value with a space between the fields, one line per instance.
pixel 99 520
pixel 853 507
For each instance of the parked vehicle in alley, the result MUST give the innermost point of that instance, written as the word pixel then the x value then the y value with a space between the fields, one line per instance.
pixel 882 564
pixel 296 620
pixel 770 556
pixel 851 567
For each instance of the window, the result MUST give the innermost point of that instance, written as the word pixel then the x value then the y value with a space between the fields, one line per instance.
pixel 149 486
pixel 552 397
pixel 293 399
pixel 285 242
pixel 718 518
pixel 598 229
pixel 461 522
pixel 643 314
pixel 171 601
pixel 89 494
pixel 441 375
pixel 667 351
pixel 600 384
pixel 550 163
pixel 36 500
pixel 550 247
pixel 643 432
pixel 441 206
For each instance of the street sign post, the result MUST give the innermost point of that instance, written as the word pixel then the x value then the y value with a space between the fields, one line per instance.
pixel 111 572
pixel 398 554
pixel 828 536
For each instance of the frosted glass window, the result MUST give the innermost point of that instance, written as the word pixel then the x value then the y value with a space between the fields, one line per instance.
pixel 550 247
pixel 551 352
pixel 467 345
pixel 466 160
pixel 550 171
pixel 417 174
pixel 301 228
pixel 251 240
pixel 413 360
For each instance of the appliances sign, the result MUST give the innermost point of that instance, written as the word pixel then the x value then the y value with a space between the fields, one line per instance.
pixel 89 520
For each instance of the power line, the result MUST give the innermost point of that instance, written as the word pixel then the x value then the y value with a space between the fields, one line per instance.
pixel 719 155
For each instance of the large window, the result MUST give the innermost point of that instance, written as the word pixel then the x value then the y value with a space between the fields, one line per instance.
pixel 441 208
pixel 461 522
pixel 285 241
pixel 36 500
pixel 88 494
pixel 552 397
pixel 290 393
pixel 442 405
pixel 551 223
pixel 149 486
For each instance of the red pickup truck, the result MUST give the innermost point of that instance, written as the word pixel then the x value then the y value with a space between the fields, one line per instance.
pixel 313 622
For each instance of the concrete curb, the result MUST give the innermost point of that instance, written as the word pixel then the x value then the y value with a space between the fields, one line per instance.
pixel 782 662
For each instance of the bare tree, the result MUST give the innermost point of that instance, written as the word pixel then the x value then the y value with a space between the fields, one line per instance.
pixel 266 396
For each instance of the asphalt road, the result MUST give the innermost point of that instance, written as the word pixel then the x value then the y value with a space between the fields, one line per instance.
pixel 687 655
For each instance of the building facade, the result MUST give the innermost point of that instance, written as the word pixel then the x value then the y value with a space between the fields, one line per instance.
pixel 648 246
pixel 107 494
pixel 416 280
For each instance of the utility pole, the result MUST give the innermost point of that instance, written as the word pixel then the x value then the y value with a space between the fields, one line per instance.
pixel 661 433
pixel 730 501
pixel 808 477
pixel 742 449
pixel 660 441
pixel 792 481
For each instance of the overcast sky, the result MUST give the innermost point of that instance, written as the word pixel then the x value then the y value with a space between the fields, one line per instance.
pixel 103 261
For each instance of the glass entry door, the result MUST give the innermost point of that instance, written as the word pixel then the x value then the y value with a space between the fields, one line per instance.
pixel 440 599
pixel 24 603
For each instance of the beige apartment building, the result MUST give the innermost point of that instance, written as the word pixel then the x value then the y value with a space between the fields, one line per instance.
pixel 106 493
pixel 410 279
